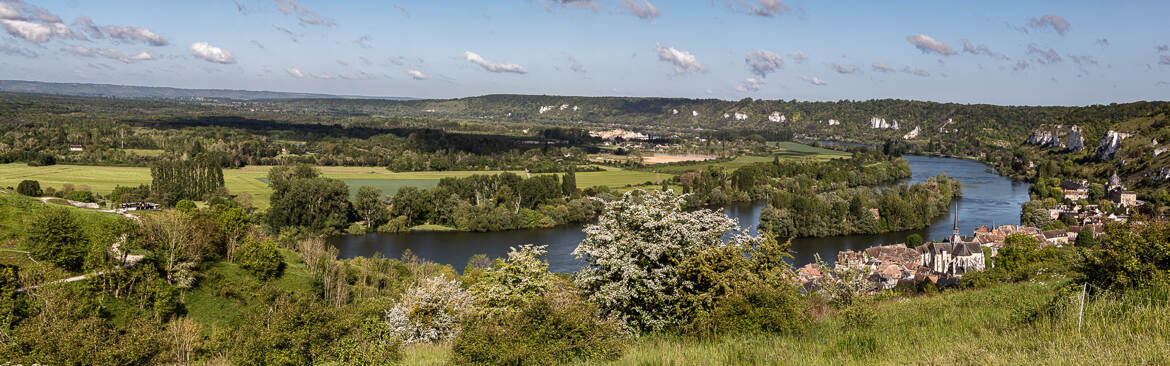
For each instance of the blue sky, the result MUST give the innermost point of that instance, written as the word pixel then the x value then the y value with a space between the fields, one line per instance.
pixel 1033 52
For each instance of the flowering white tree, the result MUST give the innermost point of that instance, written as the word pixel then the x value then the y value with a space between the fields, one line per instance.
pixel 512 282
pixel 430 311
pixel 633 253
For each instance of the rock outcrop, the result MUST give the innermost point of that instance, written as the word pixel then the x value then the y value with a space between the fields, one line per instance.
pixel 1161 174
pixel 1076 141
pixel 880 123
pixel 912 134
pixel 1109 144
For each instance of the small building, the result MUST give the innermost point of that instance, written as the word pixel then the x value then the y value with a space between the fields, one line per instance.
pixel 1124 197
pixel 139 206
pixel 76 148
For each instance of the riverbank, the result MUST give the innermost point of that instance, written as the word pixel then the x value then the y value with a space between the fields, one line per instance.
pixel 988 199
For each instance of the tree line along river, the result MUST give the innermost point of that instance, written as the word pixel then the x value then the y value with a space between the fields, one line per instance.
pixel 988 199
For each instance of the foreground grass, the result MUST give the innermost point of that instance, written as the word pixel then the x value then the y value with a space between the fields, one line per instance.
pixel 226 291
pixel 975 327
pixel 103 179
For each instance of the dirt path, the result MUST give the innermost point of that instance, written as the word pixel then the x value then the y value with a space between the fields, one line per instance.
pixel 129 261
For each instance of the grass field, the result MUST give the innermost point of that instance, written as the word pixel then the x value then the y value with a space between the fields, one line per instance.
pixel 783 150
pixel 976 327
pixel 103 179
pixel 233 290
pixel 144 152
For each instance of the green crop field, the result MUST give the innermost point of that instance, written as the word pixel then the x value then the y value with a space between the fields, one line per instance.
pixel 144 152
pixel 250 179
pixel 783 150
pixel 793 149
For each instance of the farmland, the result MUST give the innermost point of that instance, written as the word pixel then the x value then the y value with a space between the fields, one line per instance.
pixel 103 179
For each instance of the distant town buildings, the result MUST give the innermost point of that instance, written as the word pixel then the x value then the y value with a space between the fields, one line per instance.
pixel 616 134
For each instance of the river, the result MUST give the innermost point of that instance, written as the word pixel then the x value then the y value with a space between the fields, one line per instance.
pixel 988 199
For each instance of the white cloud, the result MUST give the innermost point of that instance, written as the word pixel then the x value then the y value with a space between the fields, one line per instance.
pixel 683 61
pixel 295 72
pixel 491 66
pixel 749 84
pixel 764 8
pixel 365 41
pixel 7 11
pixel 982 49
pixel 359 75
pixel 579 4
pixel 645 10
pixel 416 75
pixel 927 45
pixel 304 15
pixel 111 54
pixel 762 62
pixel 211 53
pixel 815 81
pixel 63 31
pixel 1053 21
pixel 88 26
pixel 131 33
pixel 915 71
pixel 881 67
pixel 32 32
pixel 798 56
pixel 1046 57
pixel 844 69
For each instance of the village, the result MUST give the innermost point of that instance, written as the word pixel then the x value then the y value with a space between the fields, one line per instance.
pixel 945 261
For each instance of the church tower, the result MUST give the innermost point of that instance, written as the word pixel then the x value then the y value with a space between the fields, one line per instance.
pixel 955 237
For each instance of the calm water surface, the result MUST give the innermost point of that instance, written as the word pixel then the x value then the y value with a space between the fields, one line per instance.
pixel 988 199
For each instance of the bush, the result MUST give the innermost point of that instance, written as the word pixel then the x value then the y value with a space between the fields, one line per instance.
pixel 511 283
pixel 1130 256
pixel 185 206
pixel 355 229
pixel 429 312
pixel 57 238
pixel 397 224
pixel 762 309
pixel 261 258
pixel 80 196
pixel 858 316
pixel 633 254
pixel 29 188
pixel 549 330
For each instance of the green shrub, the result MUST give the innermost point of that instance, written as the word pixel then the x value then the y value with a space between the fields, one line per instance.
pixel 355 229
pixel 760 309
pixel 29 188
pixel 550 330
pixel 80 196
pixel 56 237
pixel 397 224
pixel 185 206
pixel 261 258
pixel 858 316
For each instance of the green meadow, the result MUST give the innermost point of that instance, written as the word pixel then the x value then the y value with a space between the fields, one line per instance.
pixel 250 179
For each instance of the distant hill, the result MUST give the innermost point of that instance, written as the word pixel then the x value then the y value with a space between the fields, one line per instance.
pixel 151 92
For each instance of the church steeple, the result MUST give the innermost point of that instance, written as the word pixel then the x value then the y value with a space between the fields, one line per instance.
pixel 955 237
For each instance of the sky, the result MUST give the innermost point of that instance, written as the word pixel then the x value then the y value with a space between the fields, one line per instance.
pixel 998 52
